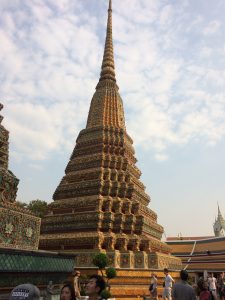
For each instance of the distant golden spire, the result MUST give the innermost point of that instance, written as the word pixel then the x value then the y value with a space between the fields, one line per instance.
pixel 108 69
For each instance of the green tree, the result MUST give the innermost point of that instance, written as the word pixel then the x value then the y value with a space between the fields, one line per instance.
pixel 38 207
pixel 21 204
pixel 101 261
pixel 110 273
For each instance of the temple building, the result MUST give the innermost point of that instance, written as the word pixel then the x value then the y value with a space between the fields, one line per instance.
pixel 203 253
pixel 101 205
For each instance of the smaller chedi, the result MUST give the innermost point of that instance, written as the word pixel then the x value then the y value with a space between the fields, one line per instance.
pixel 19 229
pixel 219 225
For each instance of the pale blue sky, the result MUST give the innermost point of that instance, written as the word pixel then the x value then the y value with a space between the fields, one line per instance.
pixel 170 67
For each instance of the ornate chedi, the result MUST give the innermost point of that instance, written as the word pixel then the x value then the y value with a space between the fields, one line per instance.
pixel 8 181
pixel 100 203
pixel 219 224
pixel 19 228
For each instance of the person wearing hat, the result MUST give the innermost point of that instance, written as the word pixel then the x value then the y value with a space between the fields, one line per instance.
pixel 25 291
pixel 182 290
pixel 76 284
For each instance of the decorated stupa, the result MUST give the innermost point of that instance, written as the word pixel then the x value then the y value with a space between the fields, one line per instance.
pixel 101 205
pixel 20 229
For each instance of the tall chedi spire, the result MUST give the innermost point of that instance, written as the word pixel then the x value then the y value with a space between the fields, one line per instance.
pixel 107 107
pixel 100 203
pixel 108 68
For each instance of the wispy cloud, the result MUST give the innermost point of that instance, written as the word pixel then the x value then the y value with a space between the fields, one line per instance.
pixel 171 79
pixel 212 27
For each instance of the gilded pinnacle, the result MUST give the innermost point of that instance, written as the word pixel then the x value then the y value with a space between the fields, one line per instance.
pixel 110 4
pixel 108 69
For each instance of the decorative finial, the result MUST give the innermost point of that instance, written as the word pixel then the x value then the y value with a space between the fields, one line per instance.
pixel 110 4
pixel 108 69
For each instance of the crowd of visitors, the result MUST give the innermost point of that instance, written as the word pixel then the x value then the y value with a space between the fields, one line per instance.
pixel 95 285
pixel 210 288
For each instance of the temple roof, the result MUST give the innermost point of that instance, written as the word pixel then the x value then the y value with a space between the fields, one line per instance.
pixel 200 254
pixel 15 260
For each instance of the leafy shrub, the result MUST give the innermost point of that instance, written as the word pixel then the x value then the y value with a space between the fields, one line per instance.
pixel 105 294
pixel 100 260
pixel 110 273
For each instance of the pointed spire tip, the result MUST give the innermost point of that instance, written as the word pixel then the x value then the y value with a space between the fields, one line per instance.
pixel 108 68
pixel 110 5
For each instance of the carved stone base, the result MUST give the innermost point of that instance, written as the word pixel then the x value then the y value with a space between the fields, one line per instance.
pixel 114 258
pixel 141 260
pixel 130 260
pixel 158 260
pixel 18 228
pixel 127 260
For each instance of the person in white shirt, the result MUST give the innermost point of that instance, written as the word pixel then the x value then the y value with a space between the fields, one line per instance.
pixel 212 285
pixel 168 283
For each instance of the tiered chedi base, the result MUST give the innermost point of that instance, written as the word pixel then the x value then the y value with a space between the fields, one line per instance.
pixel 100 204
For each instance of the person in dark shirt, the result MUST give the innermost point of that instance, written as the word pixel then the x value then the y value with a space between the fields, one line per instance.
pixel 182 290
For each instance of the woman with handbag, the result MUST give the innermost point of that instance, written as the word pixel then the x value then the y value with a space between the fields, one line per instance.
pixel 153 287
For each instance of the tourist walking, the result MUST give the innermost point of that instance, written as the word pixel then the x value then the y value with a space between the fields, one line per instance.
pixel 153 287
pixel 67 292
pixel 168 283
pixel 94 287
pixel 212 286
pixel 76 284
pixel 49 290
pixel 221 286
pixel 204 293
pixel 182 290
pixel 25 291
